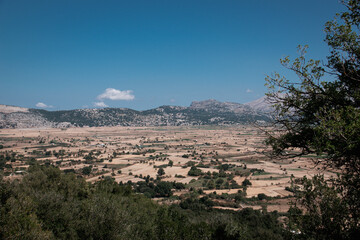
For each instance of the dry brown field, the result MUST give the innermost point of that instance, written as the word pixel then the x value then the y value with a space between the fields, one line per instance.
pixel 132 153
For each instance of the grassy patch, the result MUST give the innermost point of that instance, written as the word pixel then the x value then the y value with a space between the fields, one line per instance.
pixel 274 178
pixel 261 173
pixel 314 156
pixel 117 166
pixel 195 184
pixel 240 171
pixel 296 169
pixel 250 161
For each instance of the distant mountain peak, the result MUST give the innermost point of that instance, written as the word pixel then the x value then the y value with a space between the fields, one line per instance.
pixel 205 112
pixel 215 105
pixel 261 105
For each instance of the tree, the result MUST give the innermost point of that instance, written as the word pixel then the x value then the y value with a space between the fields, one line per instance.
pixel 246 183
pixel 261 196
pixel 194 171
pixel 86 170
pixel 163 189
pixel 161 172
pixel 171 163
pixel 322 117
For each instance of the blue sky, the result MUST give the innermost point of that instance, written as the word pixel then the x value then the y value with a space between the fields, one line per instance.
pixel 143 54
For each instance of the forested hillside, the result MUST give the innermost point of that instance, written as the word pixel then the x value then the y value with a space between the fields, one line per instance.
pixel 49 204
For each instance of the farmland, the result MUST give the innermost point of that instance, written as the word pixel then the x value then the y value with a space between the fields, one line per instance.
pixel 228 165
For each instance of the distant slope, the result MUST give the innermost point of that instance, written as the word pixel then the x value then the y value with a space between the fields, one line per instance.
pixel 212 105
pixel 261 105
pixel 12 109
pixel 199 113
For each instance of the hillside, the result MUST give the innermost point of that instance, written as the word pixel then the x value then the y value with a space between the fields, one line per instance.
pixel 199 113
pixel 260 105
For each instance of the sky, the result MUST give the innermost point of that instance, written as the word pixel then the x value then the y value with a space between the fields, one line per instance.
pixel 69 54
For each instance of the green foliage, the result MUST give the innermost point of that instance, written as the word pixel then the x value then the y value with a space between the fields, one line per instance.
pixel 194 171
pixel 246 182
pixel 196 204
pixel 163 189
pixel 179 176
pixel 161 172
pixel 86 170
pixel 326 212
pixel 262 196
pixel 48 204
pixel 210 184
pixel 171 163
pixel 158 188
pixel 224 167
pixel 2 162
pixel 322 117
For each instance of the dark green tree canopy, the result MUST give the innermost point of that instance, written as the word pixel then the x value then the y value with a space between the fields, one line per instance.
pixel 161 171
pixel 319 113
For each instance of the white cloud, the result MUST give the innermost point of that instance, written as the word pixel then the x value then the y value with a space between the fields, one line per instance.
pixel 100 104
pixel 172 100
pixel 42 105
pixel 114 94
pixel 249 90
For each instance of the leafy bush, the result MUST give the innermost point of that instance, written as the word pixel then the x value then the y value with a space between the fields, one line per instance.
pixel 246 182
pixel 194 171
pixel 86 170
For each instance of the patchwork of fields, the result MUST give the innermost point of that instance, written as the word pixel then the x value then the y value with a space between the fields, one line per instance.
pixel 219 162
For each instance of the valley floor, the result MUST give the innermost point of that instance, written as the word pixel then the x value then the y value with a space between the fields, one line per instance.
pixel 224 157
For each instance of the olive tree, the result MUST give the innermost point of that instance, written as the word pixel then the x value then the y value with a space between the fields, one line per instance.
pixel 318 113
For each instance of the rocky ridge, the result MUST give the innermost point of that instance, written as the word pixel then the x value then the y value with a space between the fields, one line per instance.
pixel 199 113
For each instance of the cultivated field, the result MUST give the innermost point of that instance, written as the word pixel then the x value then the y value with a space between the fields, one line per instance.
pixel 226 157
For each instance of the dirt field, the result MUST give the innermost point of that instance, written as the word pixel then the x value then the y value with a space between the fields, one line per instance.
pixel 130 154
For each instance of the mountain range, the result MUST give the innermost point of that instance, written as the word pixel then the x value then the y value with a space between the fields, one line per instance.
pixel 208 112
